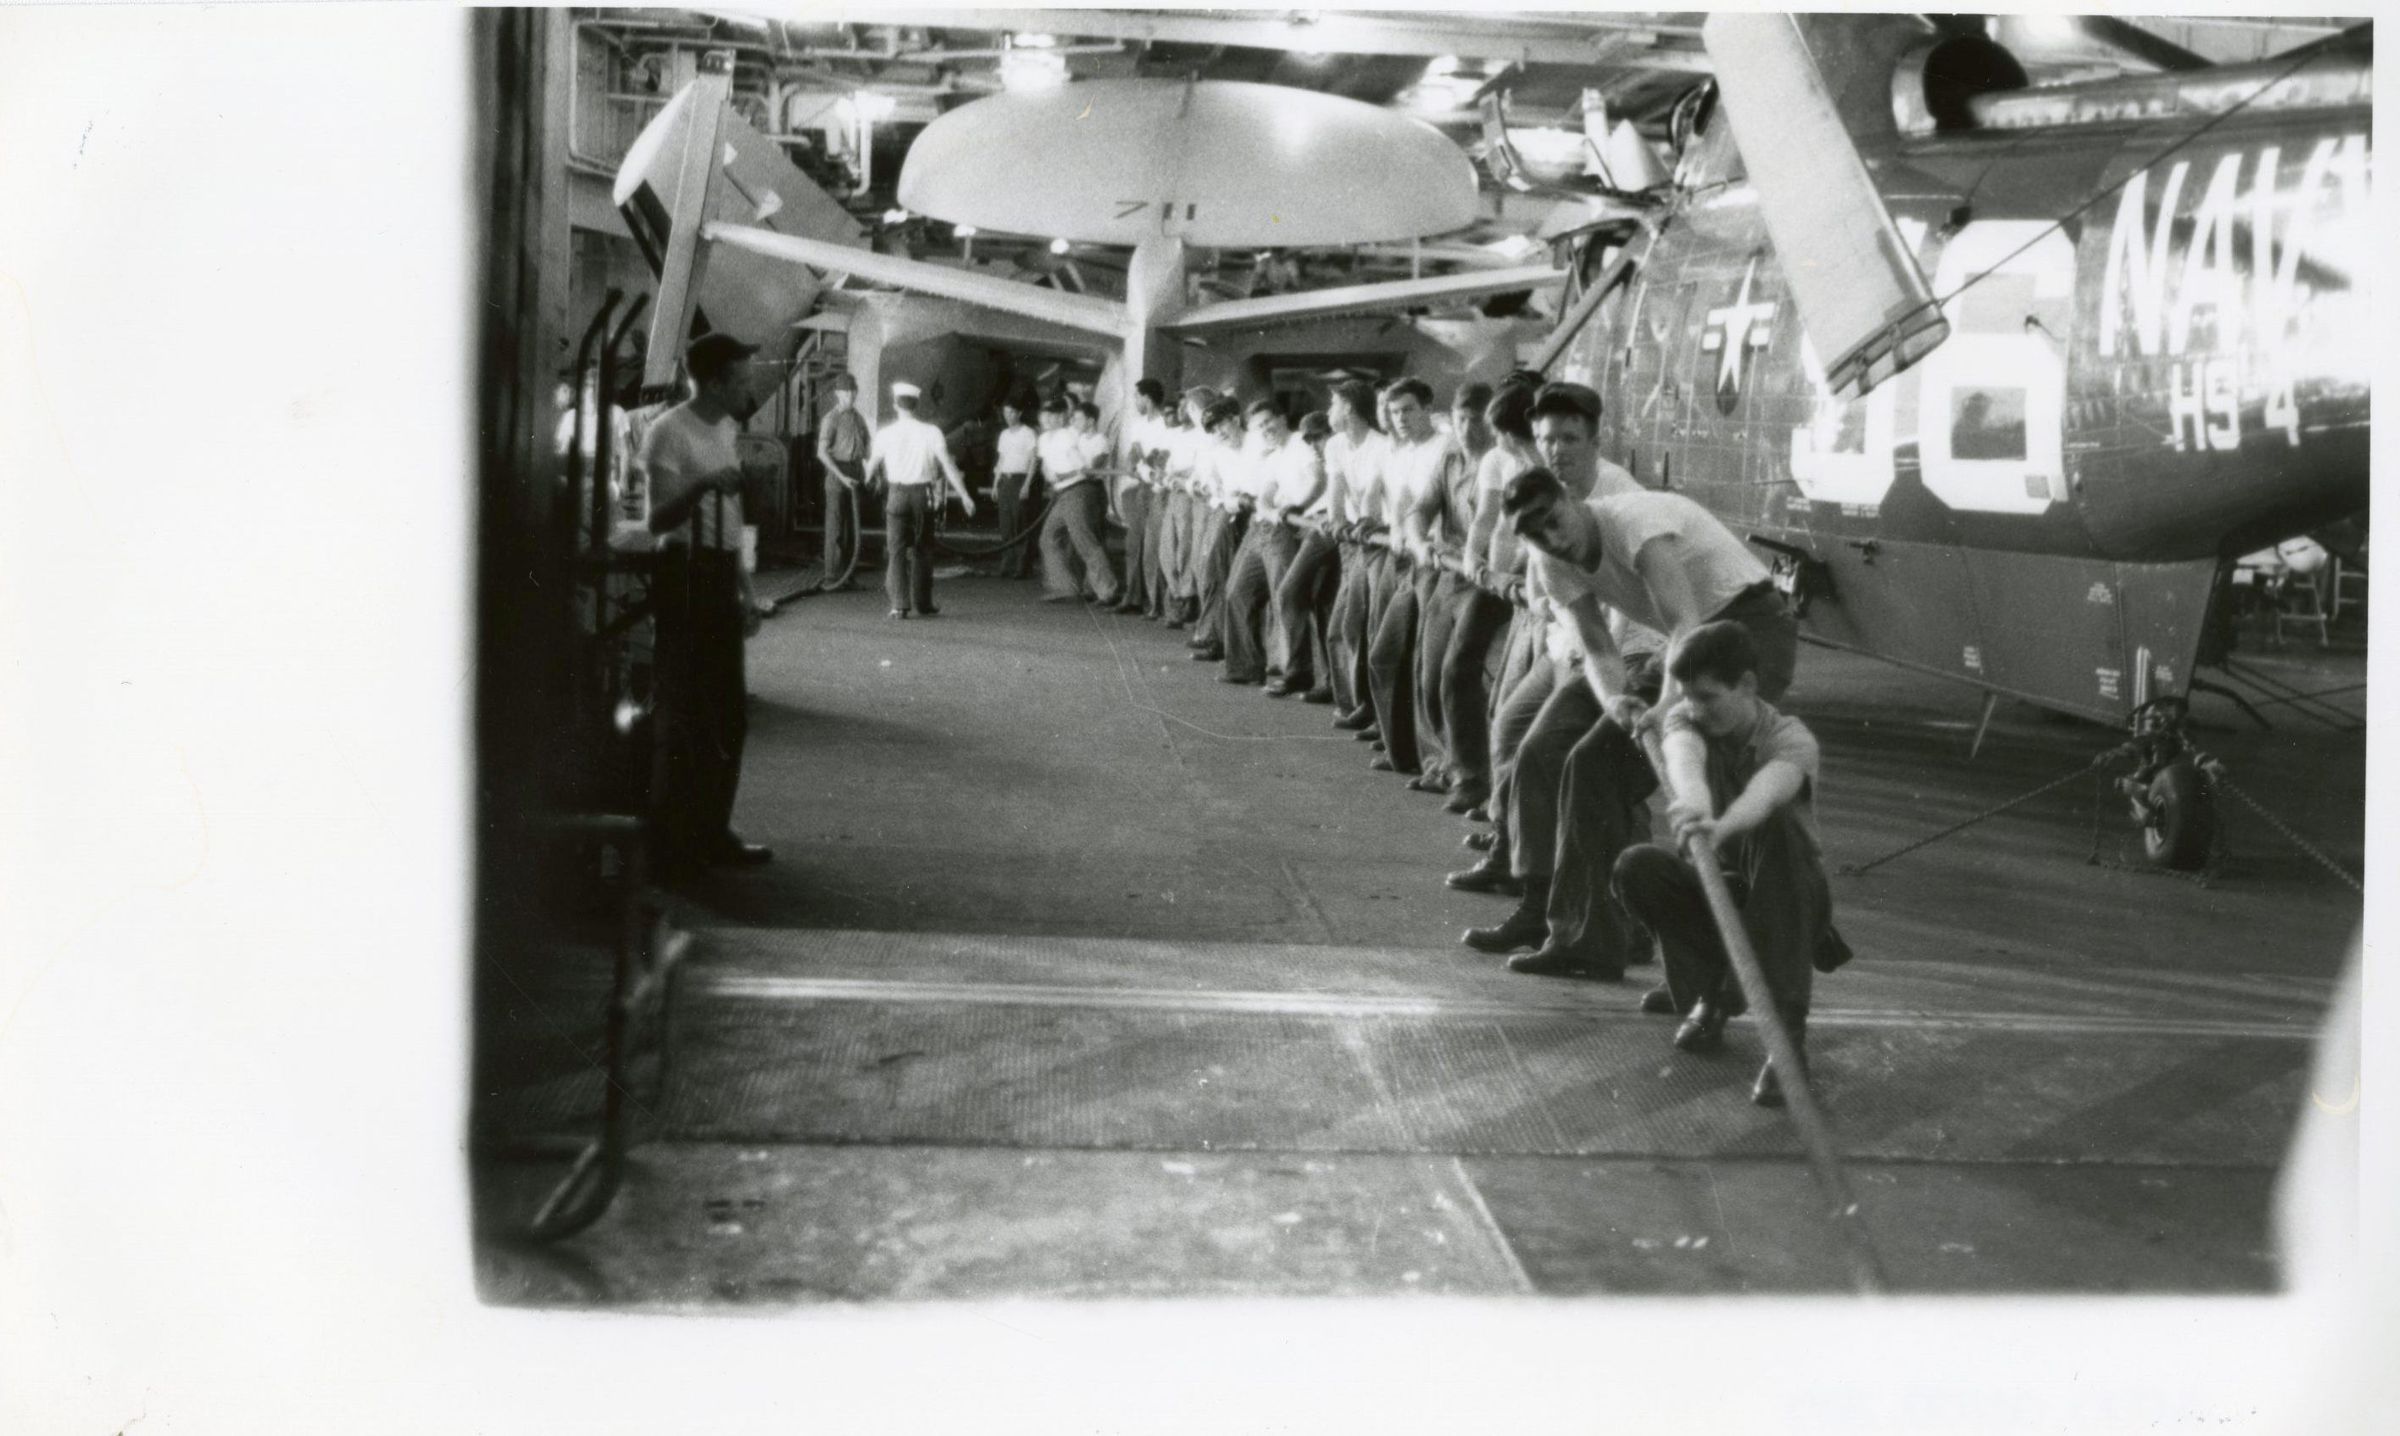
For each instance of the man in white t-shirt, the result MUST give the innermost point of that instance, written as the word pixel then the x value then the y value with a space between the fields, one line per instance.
pixel 1136 506
pixel 1179 527
pixel 1012 483
pixel 1744 776
pixel 1304 598
pixel 1664 563
pixel 1073 458
pixel 1287 476
pixel 1219 483
pixel 1559 806
pixel 1353 456
pixel 1421 461
pixel 1443 520
pixel 703 607
pixel 912 457
pixel 1524 677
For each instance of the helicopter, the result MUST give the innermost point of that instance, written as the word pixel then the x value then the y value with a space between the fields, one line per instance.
pixel 2001 378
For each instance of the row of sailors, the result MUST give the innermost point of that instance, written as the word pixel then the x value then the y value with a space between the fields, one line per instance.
pixel 1490 605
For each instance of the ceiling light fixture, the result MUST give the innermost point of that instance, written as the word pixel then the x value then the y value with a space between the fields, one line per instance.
pixel 1031 71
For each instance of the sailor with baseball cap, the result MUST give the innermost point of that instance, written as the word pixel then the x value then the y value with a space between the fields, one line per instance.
pixel 911 457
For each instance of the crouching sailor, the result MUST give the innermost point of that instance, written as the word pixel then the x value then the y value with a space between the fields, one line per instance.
pixel 1745 776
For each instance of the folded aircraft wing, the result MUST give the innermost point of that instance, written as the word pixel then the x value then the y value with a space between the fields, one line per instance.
pixel 1354 298
pixel 1057 306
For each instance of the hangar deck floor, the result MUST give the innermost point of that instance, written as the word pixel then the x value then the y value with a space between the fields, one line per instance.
pixel 1079 973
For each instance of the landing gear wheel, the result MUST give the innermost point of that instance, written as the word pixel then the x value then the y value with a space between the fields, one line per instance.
pixel 2180 825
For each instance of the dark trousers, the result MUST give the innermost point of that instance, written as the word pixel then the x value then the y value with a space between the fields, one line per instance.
pixel 1141 563
pixel 1520 704
pixel 1391 673
pixel 1347 636
pixel 1568 712
pixel 908 546
pixel 703 700
pixel 1304 607
pixel 1467 667
pixel 1220 539
pixel 1251 636
pixel 1579 797
pixel 1013 494
pixel 1778 883
pixel 1073 554
pixel 1158 593
pixel 1439 593
pixel 841 523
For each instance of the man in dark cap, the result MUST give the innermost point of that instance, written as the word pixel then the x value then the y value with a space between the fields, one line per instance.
pixel 704 606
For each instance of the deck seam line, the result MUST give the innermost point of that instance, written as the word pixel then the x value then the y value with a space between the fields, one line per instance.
pixel 1353 1005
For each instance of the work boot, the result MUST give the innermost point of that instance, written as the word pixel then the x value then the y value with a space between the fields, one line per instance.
pixel 1480 842
pixel 1551 960
pixel 1429 783
pixel 1489 876
pixel 1355 721
pixel 1526 927
pixel 731 850
pixel 1767 1091
pixel 1703 1029
pixel 1480 813
pixel 1209 653
pixel 1659 1001
pixel 1465 799
pixel 1318 696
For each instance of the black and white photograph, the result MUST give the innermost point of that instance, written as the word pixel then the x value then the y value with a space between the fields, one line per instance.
pixel 1190 719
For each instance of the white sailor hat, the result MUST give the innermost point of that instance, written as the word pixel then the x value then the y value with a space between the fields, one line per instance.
pixel 902 389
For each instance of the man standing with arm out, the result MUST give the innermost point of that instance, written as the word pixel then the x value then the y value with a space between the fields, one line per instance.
pixel 843 442
pixel 1745 776
pixel 704 607
pixel 912 458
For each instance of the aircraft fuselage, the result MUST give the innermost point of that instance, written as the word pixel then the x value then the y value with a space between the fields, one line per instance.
pixel 2160 358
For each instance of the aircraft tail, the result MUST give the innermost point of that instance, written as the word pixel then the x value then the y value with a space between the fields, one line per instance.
pixel 758 299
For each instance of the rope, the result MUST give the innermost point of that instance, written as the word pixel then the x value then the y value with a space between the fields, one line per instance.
pixel 2292 837
pixel 1783 1056
pixel 1031 528
pixel 1856 869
